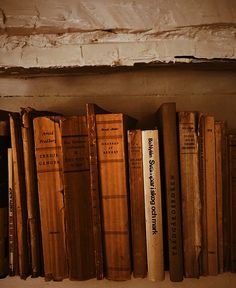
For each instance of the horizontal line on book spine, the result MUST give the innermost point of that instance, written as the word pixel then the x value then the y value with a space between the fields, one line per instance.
pixel 118 268
pixel 114 196
pixel 78 170
pixel 111 160
pixel 186 123
pixel 115 232
pixel 189 153
pixel 49 170
pixel 108 122
pixel 48 148
pixel 107 137
pixel 76 135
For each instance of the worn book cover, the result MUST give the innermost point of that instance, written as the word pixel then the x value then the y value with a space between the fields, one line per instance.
pixel 77 198
pixel 49 164
pixel 190 191
pixel 112 154
pixel 137 209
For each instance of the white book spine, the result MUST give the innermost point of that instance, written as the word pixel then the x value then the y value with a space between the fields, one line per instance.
pixel 153 207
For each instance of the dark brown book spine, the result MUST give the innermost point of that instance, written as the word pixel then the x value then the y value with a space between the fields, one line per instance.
pixel 113 181
pixel 19 195
pixel 49 164
pixel 166 117
pixel 4 144
pixel 77 197
pixel 139 250
pixel 232 200
pixel 91 110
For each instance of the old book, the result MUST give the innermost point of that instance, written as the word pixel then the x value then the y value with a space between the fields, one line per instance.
pixel 12 229
pixel 4 145
pixel 139 251
pixel 91 111
pixel 232 198
pixel 35 238
pixel 153 205
pixel 166 123
pixel 49 163
pixel 209 194
pixel 19 195
pixel 77 197
pixel 111 135
pixel 219 146
pixel 190 192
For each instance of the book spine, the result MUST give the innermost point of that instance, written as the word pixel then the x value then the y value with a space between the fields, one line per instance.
pixel 77 197
pixel 48 153
pixel 232 192
pixel 210 190
pixel 190 193
pixel 19 195
pixel 12 237
pixel 153 207
pixel 94 190
pixel 219 126
pixel 137 203
pixel 32 196
pixel 166 117
pixel 113 183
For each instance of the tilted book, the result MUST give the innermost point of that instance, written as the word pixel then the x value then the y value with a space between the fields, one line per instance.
pixel 167 126
pixel 153 205
pixel 4 145
pixel 77 198
pixel 139 251
pixel 111 134
pixel 190 192
pixel 232 198
pixel 19 191
pixel 49 163
pixel 91 111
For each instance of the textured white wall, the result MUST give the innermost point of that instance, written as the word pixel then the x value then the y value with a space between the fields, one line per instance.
pixel 37 33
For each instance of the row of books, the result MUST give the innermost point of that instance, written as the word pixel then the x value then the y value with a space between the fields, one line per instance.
pixel 93 196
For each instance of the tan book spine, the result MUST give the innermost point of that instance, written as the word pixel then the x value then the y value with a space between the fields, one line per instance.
pixel 219 142
pixel 114 195
pixel 191 204
pixel 32 196
pixel 91 110
pixel 77 197
pixel 137 203
pixel 19 195
pixel 232 199
pixel 48 152
pixel 153 206
pixel 210 190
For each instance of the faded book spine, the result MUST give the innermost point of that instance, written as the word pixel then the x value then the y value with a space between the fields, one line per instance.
pixel 32 196
pixel 137 203
pixel 153 207
pixel 19 195
pixel 95 189
pixel 232 192
pixel 191 204
pixel 210 190
pixel 219 146
pixel 77 197
pixel 48 153
pixel 114 195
